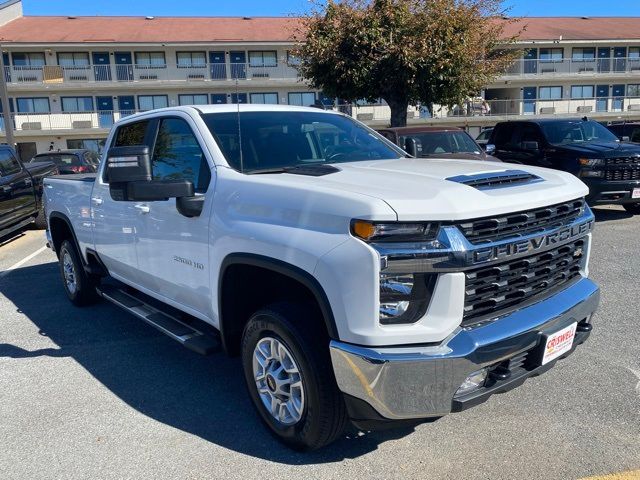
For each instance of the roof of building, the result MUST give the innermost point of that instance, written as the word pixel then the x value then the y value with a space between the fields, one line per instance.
pixel 100 29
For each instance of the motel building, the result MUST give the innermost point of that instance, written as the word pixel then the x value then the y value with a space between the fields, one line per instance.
pixel 70 78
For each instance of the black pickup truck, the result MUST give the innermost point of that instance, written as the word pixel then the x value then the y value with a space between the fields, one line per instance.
pixel 21 189
pixel 610 168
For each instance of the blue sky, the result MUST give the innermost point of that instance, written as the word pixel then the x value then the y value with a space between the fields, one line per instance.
pixel 284 7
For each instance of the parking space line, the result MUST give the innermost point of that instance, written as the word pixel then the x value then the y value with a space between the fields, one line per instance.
pixel 23 261
pixel 632 475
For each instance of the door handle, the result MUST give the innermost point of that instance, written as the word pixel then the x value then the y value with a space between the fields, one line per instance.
pixel 97 200
pixel 142 208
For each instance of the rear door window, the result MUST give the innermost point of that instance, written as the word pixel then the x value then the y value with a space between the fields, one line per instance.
pixel 503 136
pixel 131 134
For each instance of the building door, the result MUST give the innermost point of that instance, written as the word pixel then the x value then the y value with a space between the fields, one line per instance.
pixel 619 59
pixel 238 64
pixel 217 64
pixel 16 190
pixel 218 98
pixel 602 98
pixel 102 66
pixel 105 111
pixel 604 59
pixel 529 100
pixel 124 66
pixel 238 98
pixel 617 101
pixel 126 105
pixel 7 67
pixel 531 61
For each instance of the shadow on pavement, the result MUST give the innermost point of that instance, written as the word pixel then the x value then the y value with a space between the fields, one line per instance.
pixel 204 396
pixel 607 214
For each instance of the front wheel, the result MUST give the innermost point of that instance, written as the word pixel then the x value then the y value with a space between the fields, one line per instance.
pixel 633 208
pixel 79 286
pixel 288 372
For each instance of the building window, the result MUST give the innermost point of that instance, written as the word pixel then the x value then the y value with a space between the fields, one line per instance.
pixel 550 93
pixel 191 59
pixel 633 90
pixel 263 59
pixel 150 102
pixel 292 60
pixel 551 54
pixel 33 105
pixel 197 99
pixel 303 99
pixel 32 59
pixel 270 98
pixel 582 91
pixel 73 59
pixel 150 59
pixel 77 104
pixel 634 53
pixel 583 54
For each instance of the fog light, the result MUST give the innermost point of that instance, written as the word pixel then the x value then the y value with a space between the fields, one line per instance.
pixel 472 382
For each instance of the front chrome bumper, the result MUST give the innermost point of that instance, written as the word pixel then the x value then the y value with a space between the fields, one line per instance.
pixel 421 381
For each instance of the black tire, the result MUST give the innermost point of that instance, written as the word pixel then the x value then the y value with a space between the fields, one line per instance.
pixel 633 208
pixel 84 292
pixel 41 221
pixel 324 415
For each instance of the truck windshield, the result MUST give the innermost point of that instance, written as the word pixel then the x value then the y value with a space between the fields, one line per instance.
pixel 576 131
pixel 434 143
pixel 275 140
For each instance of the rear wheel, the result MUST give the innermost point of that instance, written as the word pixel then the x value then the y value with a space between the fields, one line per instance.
pixel 288 372
pixel 633 208
pixel 79 286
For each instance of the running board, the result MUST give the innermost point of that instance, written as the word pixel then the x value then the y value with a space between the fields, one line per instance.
pixel 168 324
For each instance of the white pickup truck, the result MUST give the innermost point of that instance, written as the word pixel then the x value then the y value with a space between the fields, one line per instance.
pixel 356 283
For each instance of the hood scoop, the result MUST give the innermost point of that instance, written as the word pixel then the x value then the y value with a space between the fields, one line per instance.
pixel 489 180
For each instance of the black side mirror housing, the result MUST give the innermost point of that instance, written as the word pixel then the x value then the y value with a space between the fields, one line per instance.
pixel 159 190
pixel 128 164
pixel 411 146
pixel 530 146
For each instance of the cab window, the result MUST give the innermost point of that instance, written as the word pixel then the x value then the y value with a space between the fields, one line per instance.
pixel 131 134
pixel 178 156
pixel 8 163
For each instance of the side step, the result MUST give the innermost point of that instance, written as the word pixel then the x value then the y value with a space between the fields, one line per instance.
pixel 187 335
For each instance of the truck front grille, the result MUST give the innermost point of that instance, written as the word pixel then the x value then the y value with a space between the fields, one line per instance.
pixel 493 289
pixel 513 225
pixel 623 168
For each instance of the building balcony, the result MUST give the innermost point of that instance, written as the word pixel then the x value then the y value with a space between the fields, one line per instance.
pixel 108 75
pixel 526 68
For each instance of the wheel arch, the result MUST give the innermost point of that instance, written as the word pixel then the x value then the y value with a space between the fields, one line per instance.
pixel 231 326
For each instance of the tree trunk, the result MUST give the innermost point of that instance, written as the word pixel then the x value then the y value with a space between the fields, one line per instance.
pixel 398 112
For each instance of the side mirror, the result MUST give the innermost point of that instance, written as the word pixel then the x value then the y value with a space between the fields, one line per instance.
pixel 411 147
pixel 128 164
pixel 625 139
pixel 530 146
pixel 490 148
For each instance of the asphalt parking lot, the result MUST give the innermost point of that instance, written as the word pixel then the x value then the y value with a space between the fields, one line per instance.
pixel 95 393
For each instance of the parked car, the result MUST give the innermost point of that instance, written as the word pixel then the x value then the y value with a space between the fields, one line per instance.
pixel 21 189
pixel 627 132
pixel 354 282
pixel 71 161
pixel 610 168
pixel 436 142
pixel 483 138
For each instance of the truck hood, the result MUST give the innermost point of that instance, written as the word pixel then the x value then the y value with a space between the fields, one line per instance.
pixel 601 149
pixel 422 189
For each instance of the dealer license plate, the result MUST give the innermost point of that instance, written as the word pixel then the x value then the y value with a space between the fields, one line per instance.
pixel 635 193
pixel 559 343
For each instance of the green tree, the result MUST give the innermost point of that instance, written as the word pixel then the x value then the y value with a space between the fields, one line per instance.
pixel 404 51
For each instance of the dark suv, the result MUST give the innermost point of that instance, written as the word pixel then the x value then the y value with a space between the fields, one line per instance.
pixel 611 169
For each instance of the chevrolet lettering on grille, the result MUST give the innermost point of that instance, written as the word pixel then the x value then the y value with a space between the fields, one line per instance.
pixel 520 247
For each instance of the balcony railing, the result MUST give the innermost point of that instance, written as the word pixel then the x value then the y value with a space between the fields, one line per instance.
pixel 498 109
pixel 571 66
pixel 213 72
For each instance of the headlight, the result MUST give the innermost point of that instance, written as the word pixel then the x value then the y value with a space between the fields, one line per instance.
pixel 404 298
pixel 394 232
pixel 592 173
pixel 591 162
